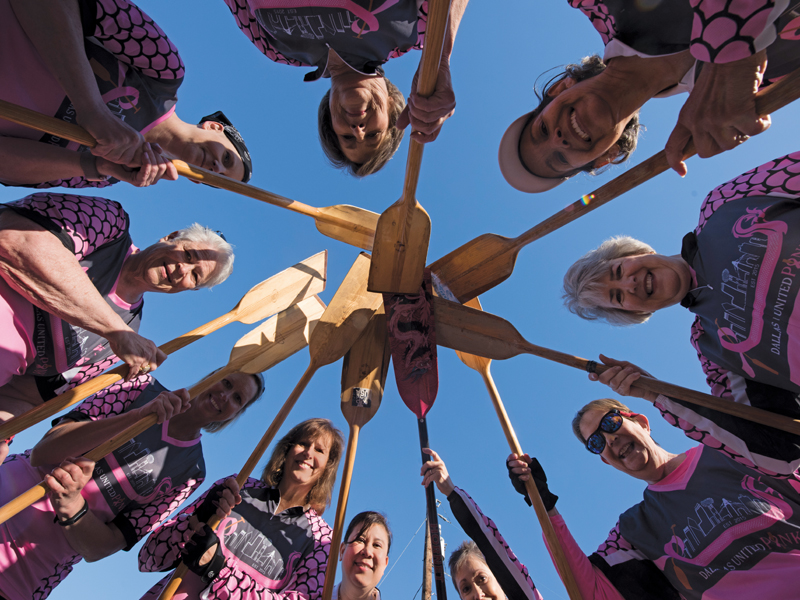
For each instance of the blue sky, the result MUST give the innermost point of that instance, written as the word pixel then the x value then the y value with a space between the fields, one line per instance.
pixel 501 49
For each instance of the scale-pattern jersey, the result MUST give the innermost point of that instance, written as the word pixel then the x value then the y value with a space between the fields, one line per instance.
pixel 137 69
pixel 96 231
pixel 364 33
pixel 268 556
pixel 510 573
pixel 135 488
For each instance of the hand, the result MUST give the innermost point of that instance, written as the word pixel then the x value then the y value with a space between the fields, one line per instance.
pixel 427 115
pixel 65 483
pixel 720 113
pixel 166 405
pixel 621 377
pixel 521 469
pixel 138 352
pixel 219 501
pixel 117 142
pixel 155 166
pixel 436 471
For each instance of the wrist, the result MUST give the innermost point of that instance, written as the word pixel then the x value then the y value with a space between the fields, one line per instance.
pixel 69 514
pixel 91 165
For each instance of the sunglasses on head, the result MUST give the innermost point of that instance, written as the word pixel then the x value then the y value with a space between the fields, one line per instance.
pixel 610 423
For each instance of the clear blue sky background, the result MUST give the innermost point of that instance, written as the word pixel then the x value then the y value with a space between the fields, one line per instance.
pixel 501 49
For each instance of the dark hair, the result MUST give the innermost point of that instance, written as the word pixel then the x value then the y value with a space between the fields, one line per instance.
pixel 386 149
pixel 220 425
pixel 590 66
pixel 460 555
pixel 320 495
pixel 364 521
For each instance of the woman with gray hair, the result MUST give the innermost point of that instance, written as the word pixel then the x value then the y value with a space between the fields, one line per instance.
pixel 737 271
pixel 72 286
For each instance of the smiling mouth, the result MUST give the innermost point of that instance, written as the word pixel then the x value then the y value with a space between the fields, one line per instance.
pixel 648 283
pixel 573 119
pixel 626 450
pixel 214 404
pixel 166 273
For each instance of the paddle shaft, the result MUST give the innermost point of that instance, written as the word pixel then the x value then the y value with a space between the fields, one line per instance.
pixel 341 511
pixel 553 542
pixel 39 491
pixel 433 519
pixel 177 576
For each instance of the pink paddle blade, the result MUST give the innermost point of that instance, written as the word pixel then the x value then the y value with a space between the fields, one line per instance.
pixel 412 341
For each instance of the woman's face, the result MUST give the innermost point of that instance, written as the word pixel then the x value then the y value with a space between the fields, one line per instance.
pixel 578 127
pixel 223 400
pixel 359 114
pixel 170 266
pixel 305 461
pixel 474 580
pixel 365 556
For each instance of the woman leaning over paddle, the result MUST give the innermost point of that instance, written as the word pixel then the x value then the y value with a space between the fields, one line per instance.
pixel 278 514
pixel 94 510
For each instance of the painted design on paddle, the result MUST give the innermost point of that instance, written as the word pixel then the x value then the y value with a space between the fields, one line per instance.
pixel 411 331
pixel 361 398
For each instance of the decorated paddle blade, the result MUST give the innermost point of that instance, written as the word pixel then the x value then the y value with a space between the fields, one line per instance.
pixel 412 341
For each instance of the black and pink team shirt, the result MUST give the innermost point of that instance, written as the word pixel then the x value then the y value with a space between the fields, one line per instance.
pixel 137 69
pixel 364 33
pixel 135 488
pixel 271 556
pixel 96 231
pixel 714 32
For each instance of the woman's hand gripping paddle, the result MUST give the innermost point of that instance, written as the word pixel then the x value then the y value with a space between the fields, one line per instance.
pixel 345 319
pixel 482 366
pixel 269 297
pixel 404 229
pixel 412 340
pixel 363 377
pixel 468 330
pixel 489 259
pixel 262 348
pixel 342 222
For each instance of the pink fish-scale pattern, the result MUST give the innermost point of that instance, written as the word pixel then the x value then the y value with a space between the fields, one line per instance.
pixel 488 523
pixel 147 518
pixel 598 14
pixel 716 376
pixel 90 222
pixel 614 543
pixel 115 399
pixel 73 183
pixel 134 38
pixel 60 571
pixel 246 21
pixel 780 176
pixel 89 371
pixel 726 30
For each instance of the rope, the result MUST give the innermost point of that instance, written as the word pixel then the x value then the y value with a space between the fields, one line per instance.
pixel 386 575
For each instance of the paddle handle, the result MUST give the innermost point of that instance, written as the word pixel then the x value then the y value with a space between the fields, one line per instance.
pixel 768 101
pixel 433 519
pixel 341 511
pixel 557 551
pixel 427 563
pixel 180 572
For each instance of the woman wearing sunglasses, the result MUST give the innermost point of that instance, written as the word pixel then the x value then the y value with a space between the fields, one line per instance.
pixel 713 523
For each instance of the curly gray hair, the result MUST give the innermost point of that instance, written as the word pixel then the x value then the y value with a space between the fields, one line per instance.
pixel 582 281
pixel 203 235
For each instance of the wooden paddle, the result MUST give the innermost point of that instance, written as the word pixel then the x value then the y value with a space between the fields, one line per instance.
pixel 363 377
pixel 427 563
pixel 489 259
pixel 348 224
pixel 346 317
pixel 275 340
pixel 412 340
pixel 271 296
pixel 482 365
pixel 468 330
pixel 404 229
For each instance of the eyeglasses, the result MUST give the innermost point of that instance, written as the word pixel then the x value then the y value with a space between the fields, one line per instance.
pixel 610 423
pixel 220 234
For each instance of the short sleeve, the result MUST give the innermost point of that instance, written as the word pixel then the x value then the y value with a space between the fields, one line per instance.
pixel 724 32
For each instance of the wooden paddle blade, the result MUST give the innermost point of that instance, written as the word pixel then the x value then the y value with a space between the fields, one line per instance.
pixel 478 363
pixel 412 341
pixel 401 248
pixel 348 224
pixel 346 317
pixel 303 280
pixel 364 372
pixel 477 266
pixel 277 338
pixel 475 332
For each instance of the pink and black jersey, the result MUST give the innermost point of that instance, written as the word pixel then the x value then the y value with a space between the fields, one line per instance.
pixel 364 33
pixel 510 573
pixel 96 231
pixel 137 69
pixel 135 488
pixel 267 555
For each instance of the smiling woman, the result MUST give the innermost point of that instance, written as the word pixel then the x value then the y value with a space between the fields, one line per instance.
pixel 364 555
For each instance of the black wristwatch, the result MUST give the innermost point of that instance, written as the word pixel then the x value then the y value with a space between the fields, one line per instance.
pixel 74 518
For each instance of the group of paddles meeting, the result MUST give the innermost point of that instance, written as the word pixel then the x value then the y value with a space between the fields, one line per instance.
pixel 194 450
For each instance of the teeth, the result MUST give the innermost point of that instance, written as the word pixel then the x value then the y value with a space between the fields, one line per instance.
pixel 648 283
pixel 581 133
pixel 626 451
pixel 214 404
